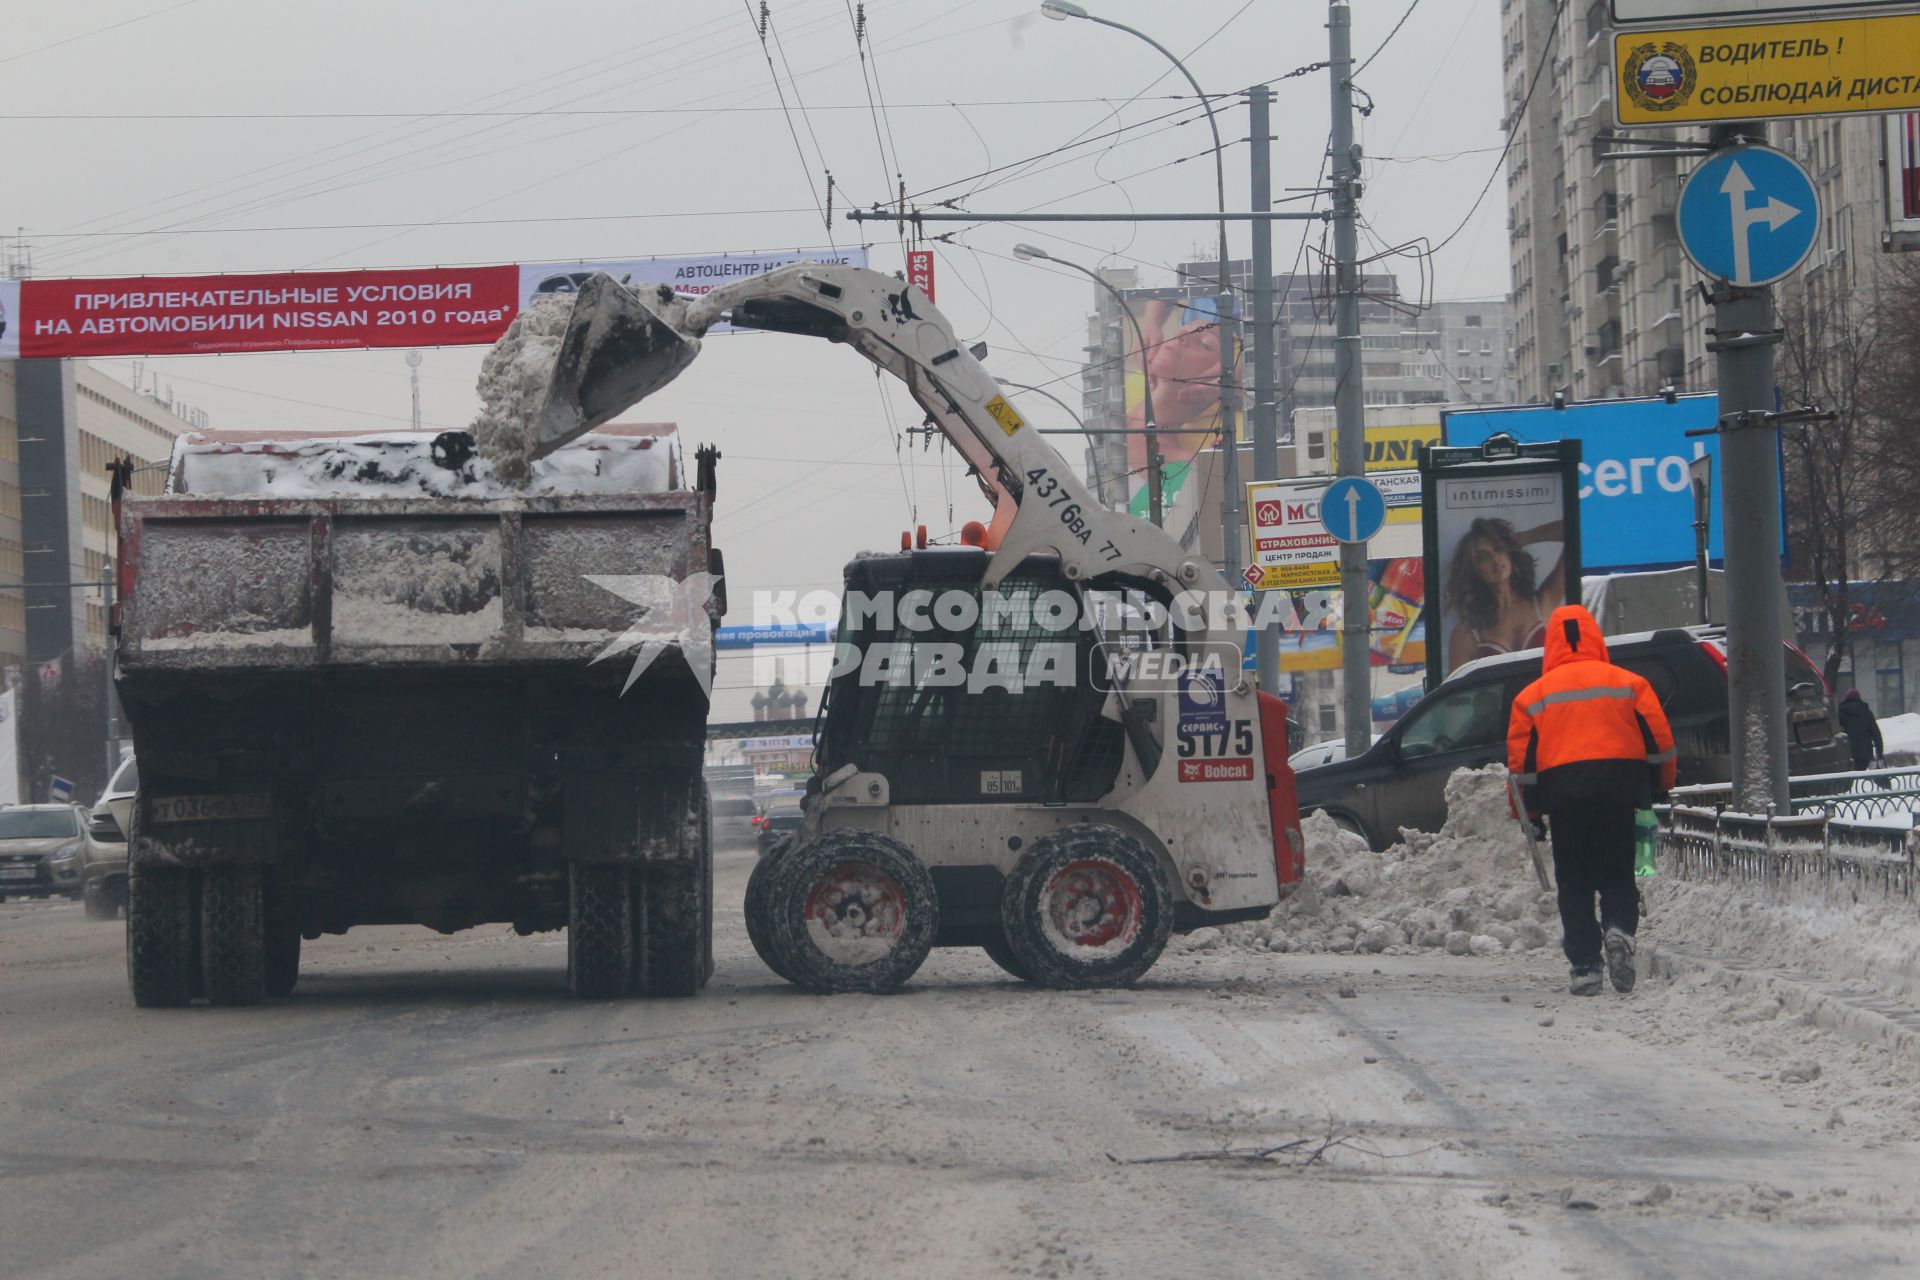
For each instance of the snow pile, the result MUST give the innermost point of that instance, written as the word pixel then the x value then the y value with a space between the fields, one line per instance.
pixel 1468 889
pixel 401 465
pixel 513 386
pixel 1872 944
pixel 1901 735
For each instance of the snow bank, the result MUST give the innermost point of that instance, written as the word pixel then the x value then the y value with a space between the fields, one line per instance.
pixel 1901 734
pixel 1468 889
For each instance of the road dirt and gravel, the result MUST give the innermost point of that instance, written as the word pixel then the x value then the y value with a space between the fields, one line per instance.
pixel 437 1106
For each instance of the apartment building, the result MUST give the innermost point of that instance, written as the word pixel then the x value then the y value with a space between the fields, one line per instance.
pixel 1604 302
pixel 61 423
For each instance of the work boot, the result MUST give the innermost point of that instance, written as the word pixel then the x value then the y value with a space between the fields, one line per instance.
pixel 1619 947
pixel 1584 982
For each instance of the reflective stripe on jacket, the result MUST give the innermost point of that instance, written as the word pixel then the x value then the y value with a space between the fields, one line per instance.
pixel 1587 731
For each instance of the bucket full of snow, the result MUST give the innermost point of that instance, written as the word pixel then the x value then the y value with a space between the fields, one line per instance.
pixel 618 347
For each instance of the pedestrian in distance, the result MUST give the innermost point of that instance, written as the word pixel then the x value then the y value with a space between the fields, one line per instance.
pixel 1590 746
pixel 1862 728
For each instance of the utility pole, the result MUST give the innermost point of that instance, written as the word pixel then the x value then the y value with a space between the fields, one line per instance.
pixel 1349 403
pixel 1266 436
pixel 1744 335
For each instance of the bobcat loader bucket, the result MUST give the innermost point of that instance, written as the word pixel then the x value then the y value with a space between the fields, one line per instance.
pixel 620 347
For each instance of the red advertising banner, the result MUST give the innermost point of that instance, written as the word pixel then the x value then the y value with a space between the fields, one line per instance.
pixel 289 311
pixel 920 271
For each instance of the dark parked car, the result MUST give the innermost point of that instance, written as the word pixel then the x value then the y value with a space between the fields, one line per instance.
pixel 1401 781
pixel 40 851
pixel 774 826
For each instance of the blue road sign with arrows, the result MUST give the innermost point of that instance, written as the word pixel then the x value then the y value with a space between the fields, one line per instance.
pixel 1353 509
pixel 1749 215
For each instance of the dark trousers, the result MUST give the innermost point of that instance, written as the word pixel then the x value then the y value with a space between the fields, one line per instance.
pixel 1593 853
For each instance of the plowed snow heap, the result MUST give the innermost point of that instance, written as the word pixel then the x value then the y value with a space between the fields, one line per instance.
pixel 1469 888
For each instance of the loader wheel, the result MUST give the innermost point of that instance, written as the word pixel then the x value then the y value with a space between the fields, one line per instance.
pixel 162 960
pixel 233 936
pixel 600 930
pixel 850 911
pixel 759 932
pixel 1087 906
pixel 283 956
pixel 1002 954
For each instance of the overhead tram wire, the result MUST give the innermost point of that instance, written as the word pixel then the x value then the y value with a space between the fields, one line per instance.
pixel 86 35
pixel 889 172
pixel 649 49
pixel 568 74
pixel 1382 46
pixel 762 24
pixel 1513 128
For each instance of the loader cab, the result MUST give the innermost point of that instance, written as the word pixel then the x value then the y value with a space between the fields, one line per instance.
pixel 960 697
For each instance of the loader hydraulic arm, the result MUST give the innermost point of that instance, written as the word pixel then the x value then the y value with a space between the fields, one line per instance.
pixel 1040 504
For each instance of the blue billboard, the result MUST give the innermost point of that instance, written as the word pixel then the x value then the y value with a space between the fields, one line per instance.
pixel 1636 499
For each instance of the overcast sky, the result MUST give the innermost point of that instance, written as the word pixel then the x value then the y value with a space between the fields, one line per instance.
pixel 185 136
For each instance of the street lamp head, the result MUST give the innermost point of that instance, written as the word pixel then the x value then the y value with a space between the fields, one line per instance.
pixel 1029 253
pixel 1061 10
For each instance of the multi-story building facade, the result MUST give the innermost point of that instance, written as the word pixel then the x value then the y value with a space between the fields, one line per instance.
pixel 61 423
pixel 1603 297
pixel 1458 352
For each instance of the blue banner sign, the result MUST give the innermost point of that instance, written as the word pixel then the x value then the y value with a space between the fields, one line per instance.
pixel 1636 498
pixel 749 637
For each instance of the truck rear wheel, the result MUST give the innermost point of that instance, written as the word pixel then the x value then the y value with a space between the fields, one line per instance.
pixel 1087 906
pixel 161 956
pixel 283 956
pixel 675 913
pixel 600 930
pixel 851 911
pixel 233 936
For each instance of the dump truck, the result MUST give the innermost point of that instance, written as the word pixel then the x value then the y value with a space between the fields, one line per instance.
pixel 368 684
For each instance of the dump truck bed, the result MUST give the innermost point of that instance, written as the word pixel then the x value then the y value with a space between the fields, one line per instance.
pixel 249 584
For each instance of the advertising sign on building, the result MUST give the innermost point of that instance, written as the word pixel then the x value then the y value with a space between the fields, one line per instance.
pixel 1289 546
pixel 1180 370
pixel 1636 497
pixel 323 310
pixel 1858 63
pixel 1903 176
pixel 1503 549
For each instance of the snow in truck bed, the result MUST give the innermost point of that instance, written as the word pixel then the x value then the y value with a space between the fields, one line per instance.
pixel 401 464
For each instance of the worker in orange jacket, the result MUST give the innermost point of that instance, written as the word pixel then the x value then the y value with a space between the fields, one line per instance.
pixel 1589 746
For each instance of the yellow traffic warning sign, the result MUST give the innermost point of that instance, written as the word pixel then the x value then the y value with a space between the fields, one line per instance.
pixel 1767 70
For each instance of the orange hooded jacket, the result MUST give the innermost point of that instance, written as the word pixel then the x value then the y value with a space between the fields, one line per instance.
pixel 1587 732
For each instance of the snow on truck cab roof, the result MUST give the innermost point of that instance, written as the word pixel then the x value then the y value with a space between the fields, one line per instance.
pixel 619 458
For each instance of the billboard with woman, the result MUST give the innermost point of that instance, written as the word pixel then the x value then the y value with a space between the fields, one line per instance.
pixel 1503 550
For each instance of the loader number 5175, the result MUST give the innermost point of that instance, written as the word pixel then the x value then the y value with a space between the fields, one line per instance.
pixel 1232 739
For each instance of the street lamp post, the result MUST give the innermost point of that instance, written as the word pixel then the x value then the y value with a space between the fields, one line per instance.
pixel 1093 443
pixel 1033 253
pixel 1060 11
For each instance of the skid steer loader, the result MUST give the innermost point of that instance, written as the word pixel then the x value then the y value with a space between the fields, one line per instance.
pixel 1009 758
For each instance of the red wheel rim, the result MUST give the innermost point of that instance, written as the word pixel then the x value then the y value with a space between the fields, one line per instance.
pixel 1091 907
pixel 855 912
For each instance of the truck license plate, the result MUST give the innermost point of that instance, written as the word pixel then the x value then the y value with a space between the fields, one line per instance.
pixel 229 808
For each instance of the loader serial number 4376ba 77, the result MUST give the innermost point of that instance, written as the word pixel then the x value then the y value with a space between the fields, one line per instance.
pixel 1055 495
